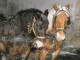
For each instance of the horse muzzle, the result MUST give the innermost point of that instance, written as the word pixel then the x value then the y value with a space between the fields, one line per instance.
pixel 38 44
pixel 60 35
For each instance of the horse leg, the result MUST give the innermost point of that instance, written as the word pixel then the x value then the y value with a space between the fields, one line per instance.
pixel 43 54
pixel 36 56
pixel 8 57
pixel 26 52
pixel 0 56
pixel 17 51
pixel 58 49
pixel 2 47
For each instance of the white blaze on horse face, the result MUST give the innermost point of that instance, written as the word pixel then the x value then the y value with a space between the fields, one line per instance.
pixel 50 18
pixel 38 43
pixel 60 35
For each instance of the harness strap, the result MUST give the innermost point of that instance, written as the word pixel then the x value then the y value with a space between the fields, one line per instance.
pixel 50 36
pixel 39 37
pixel 16 39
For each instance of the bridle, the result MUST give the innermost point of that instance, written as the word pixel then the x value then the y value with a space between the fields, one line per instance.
pixel 35 29
pixel 55 19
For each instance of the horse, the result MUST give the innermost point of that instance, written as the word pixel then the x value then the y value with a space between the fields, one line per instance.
pixel 18 32
pixel 58 18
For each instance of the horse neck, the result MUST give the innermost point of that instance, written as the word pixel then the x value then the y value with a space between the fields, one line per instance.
pixel 53 30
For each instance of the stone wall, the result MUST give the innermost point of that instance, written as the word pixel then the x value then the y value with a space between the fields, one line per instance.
pixel 12 7
pixel 3 6
pixel 74 35
pixel 16 5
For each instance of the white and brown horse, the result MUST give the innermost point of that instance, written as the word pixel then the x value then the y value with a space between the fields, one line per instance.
pixel 58 18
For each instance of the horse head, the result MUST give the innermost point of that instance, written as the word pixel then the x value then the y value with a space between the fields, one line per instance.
pixel 40 27
pixel 41 24
pixel 59 18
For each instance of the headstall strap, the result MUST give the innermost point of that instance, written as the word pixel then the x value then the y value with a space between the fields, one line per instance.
pixel 40 37
pixel 61 10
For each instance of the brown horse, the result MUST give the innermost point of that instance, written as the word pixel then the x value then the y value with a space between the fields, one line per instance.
pixel 24 26
pixel 58 18
pixel 10 41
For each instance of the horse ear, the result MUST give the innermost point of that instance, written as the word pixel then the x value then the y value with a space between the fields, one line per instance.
pixel 68 6
pixel 46 12
pixel 55 7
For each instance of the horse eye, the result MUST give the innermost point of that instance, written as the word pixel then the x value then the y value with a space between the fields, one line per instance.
pixel 67 19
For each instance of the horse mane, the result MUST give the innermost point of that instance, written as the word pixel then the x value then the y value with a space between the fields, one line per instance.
pixel 26 15
pixel 50 18
pixel 25 19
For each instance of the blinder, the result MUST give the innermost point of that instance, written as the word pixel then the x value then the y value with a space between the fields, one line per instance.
pixel 69 21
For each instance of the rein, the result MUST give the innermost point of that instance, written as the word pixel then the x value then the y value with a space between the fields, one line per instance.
pixel 16 39
pixel 50 36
